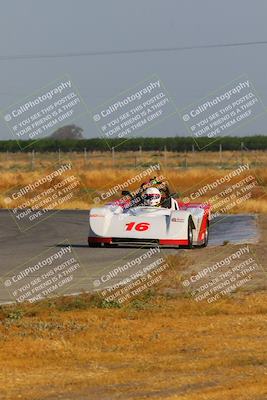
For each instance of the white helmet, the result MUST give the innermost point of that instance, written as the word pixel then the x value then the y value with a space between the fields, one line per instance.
pixel 152 197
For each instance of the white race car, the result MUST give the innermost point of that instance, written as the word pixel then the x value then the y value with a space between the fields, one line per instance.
pixel 127 220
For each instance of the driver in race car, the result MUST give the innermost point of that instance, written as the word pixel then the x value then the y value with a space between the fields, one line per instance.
pixel 151 197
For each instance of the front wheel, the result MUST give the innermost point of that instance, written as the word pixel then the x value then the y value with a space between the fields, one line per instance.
pixel 190 233
pixel 206 236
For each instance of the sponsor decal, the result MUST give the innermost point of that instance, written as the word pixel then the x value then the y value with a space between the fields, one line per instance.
pixel 177 219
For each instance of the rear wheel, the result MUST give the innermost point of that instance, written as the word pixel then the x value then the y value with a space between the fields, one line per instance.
pixel 206 236
pixel 190 233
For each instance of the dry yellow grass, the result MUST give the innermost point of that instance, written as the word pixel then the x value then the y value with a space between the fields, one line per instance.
pixel 167 349
pixel 99 172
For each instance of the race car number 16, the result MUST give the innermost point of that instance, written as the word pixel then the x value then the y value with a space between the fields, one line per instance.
pixel 142 226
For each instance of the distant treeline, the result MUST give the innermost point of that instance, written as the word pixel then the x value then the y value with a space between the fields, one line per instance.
pixel 146 144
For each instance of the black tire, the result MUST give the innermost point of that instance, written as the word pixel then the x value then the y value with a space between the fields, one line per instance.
pixel 206 239
pixel 190 233
pixel 93 244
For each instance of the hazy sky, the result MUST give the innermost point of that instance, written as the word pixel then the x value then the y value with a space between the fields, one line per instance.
pixel 54 27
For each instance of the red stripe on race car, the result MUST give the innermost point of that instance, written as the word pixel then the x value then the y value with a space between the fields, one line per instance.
pixel 173 241
pixel 203 226
pixel 161 241
pixel 99 240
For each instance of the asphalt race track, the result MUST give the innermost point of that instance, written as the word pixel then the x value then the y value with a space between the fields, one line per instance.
pixel 22 249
